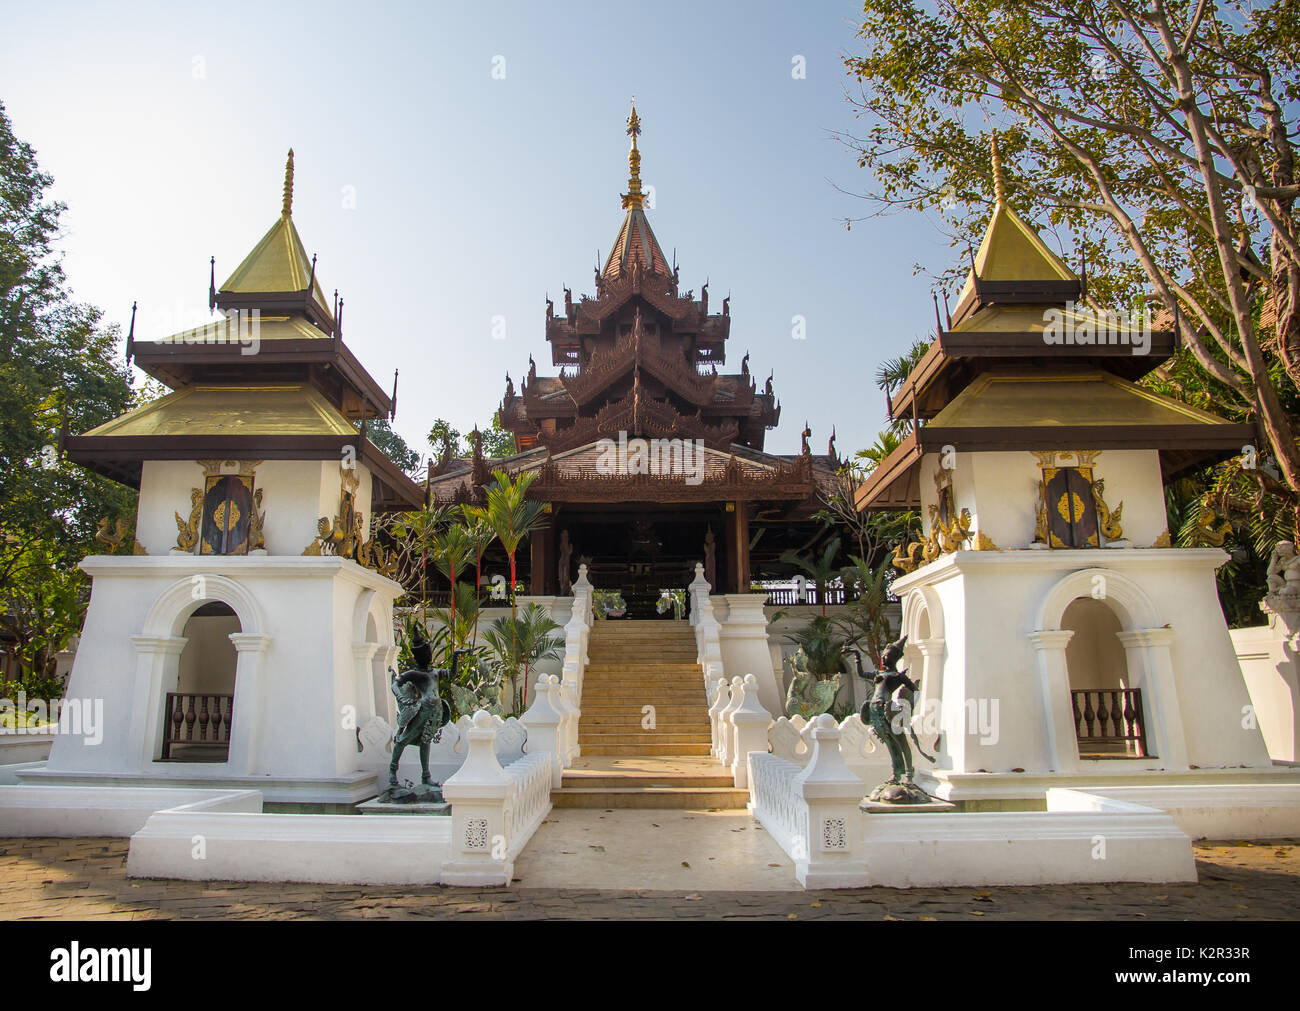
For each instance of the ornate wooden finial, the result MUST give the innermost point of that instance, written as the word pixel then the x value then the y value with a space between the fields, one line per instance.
pixel 288 186
pixel 633 197
pixel 212 284
pixel 999 184
pixel 130 336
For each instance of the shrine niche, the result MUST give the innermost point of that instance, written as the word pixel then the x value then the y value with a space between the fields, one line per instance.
pixel 225 515
pixel 1072 510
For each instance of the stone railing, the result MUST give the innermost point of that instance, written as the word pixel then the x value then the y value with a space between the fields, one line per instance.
pixel 494 809
pixel 739 725
pixel 446 752
pixel 812 811
pixel 707 642
pixel 552 726
pixel 577 636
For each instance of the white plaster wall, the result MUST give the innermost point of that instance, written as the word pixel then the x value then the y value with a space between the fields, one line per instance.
pixel 1269 668
pixel 307 608
pixel 991 603
pixel 295 494
pixel 1001 492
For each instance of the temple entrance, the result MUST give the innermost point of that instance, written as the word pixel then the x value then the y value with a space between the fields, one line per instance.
pixel 1108 717
pixel 198 710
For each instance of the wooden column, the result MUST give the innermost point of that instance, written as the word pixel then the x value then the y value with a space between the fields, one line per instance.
pixel 740 520
pixel 541 559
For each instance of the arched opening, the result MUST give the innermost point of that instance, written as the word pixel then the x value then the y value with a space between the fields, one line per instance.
pixel 199 706
pixel 1106 707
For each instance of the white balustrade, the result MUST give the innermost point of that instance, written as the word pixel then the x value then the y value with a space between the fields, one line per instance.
pixel 749 722
pixel 494 809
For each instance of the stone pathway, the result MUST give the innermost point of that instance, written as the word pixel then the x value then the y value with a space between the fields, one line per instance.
pixel 664 850
pixel 86 879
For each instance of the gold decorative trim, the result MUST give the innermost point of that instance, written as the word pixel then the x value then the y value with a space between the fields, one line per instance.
pixel 1163 541
pixel 187 536
pixel 1108 520
pixel 983 542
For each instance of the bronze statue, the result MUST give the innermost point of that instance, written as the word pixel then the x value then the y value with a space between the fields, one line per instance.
pixel 421 712
pixel 891 721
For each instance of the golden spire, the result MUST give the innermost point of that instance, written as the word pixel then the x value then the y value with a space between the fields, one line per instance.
pixel 633 197
pixel 999 184
pixel 288 186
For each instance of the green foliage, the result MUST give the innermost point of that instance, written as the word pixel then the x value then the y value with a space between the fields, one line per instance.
pixel 56 356
pixel 864 621
pixel 821 647
pixel 519 642
pixel 393 446
pixel 821 568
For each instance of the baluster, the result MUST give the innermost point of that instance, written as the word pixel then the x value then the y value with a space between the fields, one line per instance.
pixel 1103 714
pixel 190 716
pixel 1078 713
pixel 1089 714
pixel 204 718
pixel 177 704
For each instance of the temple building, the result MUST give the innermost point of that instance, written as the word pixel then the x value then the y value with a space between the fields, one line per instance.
pixel 1058 633
pixel 651 457
pixel 257 610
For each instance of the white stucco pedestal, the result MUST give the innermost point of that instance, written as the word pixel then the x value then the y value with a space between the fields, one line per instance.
pixel 314 638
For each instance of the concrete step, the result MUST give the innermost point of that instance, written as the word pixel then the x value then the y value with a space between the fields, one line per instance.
pixel 692 721
pixel 623 737
pixel 646 750
pixel 651 797
pixel 631 781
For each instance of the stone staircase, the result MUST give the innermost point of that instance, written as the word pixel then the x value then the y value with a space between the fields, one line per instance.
pixel 634 664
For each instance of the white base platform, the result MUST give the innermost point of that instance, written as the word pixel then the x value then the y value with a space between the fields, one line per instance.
pixel 349 789
pixel 73 811
pixel 213 840
pixel 1239 811
pixel 1029 786
pixel 1079 839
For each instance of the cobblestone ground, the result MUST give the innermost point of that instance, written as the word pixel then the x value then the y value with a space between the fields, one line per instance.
pixel 86 879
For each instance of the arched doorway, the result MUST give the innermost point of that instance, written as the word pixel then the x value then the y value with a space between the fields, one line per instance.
pixel 199 707
pixel 1106 705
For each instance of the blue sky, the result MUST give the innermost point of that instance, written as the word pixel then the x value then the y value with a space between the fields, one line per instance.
pixel 166 127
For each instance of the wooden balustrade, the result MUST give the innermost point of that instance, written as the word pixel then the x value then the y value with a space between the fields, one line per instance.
pixel 785 596
pixel 1109 722
pixel 198 724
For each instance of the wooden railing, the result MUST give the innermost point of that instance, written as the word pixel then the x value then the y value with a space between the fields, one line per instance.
pixel 1109 721
pixel 199 723
pixel 811 595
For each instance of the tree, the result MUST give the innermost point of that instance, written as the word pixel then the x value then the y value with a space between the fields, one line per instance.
pixel 57 360
pixel 513 516
pixel 497 441
pixel 1157 135
pixel 821 570
pixel 392 445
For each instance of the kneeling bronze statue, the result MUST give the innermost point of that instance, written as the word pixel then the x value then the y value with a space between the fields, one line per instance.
pixel 421 712
pixel 892 723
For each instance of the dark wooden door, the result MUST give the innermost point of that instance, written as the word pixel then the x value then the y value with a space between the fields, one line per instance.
pixel 227 510
pixel 1071 509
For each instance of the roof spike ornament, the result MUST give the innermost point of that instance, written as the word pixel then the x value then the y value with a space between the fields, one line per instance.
pixel 999 183
pixel 287 209
pixel 633 198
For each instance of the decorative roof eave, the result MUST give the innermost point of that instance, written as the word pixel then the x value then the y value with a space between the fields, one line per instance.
pixel 184 363
pixel 895 482
pixel 992 348
pixel 792 479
